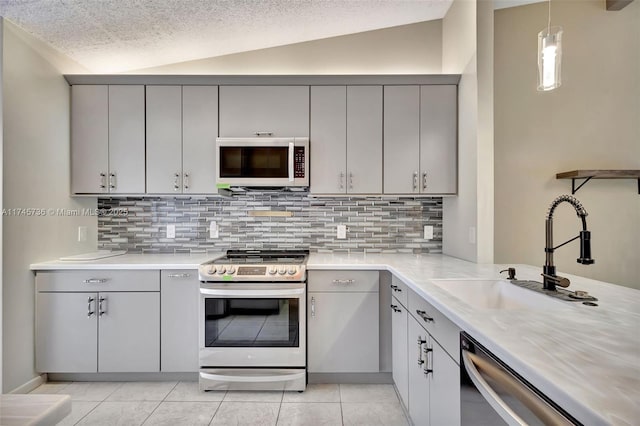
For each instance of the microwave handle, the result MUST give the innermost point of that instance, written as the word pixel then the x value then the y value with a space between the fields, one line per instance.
pixel 291 150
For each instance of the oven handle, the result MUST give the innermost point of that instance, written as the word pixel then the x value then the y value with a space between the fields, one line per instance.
pixel 252 293
pixel 244 379
pixel 291 151
pixel 544 412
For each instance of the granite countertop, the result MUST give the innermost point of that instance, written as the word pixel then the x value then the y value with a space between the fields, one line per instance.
pixel 586 359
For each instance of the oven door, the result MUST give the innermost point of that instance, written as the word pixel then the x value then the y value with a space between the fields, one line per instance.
pixel 275 162
pixel 252 325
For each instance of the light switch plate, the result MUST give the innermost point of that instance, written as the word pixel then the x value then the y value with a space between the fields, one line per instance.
pixel 171 231
pixel 213 230
pixel 428 232
pixel 342 232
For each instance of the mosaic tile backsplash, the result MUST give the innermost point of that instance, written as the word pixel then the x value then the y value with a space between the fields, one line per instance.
pixel 379 224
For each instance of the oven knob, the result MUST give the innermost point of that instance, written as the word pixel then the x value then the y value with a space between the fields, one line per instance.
pixel 221 270
pixel 212 270
pixel 292 270
pixel 282 270
pixel 273 270
pixel 231 270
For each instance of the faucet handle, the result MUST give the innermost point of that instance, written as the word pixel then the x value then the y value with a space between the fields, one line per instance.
pixel 511 273
pixel 557 280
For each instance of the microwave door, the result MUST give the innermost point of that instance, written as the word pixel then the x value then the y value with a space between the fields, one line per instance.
pixel 255 165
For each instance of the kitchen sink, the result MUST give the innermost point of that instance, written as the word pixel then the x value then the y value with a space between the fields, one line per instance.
pixel 496 294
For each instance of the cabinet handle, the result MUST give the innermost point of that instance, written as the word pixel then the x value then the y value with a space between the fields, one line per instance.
pixel 343 281
pixel 420 343
pixel 424 316
pixel 112 181
pixel 103 180
pixel 415 181
pixel 185 181
pixel 350 180
pixel 395 308
pixel 263 133
pixel 96 280
pixel 424 181
pixel 341 181
pixel 101 309
pixel 395 288
pixel 89 311
pixel 179 275
pixel 313 306
pixel 176 180
pixel 428 367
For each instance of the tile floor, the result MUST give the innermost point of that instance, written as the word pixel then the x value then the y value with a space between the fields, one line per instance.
pixel 181 403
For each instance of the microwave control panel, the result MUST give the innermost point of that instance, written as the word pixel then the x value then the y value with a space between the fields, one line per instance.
pixel 298 157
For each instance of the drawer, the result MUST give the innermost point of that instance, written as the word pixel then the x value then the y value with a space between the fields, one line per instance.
pixel 348 281
pixel 399 290
pixel 446 333
pixel 98 280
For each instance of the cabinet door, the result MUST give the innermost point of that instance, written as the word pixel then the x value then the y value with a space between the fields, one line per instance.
pixel 399 350
pixel 438 139
pixel 445 388
pixel 180 292
pixel 328 139
pixel 66 333
pixel 401 139
pixel 199 132
pixel 364 139
pixel 126 139
pixel 89 139
pixel 282 111
pixel 129 332
pixel 164 139
pixel 343 333
pixel 418 381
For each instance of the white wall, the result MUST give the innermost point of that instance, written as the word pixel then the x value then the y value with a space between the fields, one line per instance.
pixel 590 122
pixel 406 49
pixel 36 175
pixel 1 203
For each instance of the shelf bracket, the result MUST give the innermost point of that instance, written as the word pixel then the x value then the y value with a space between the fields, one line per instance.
pixel 573 184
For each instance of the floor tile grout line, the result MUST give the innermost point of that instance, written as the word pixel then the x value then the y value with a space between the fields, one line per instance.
pixel 160 403
pixel 341 410
pixel 88 412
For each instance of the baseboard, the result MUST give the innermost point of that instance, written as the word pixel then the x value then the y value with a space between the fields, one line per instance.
pixel 31 384
pixel 345 378
pixel 123 377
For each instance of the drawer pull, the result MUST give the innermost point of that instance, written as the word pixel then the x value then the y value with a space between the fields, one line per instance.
pixel 395 308
pixel 424 316
pixel 263 134
pixel 96 281
pixel 420 343
pixel 344 281
pixel 179 275
pixel 313 306
pixel 395 288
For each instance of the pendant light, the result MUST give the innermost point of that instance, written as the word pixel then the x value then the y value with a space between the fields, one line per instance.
pixel 549 56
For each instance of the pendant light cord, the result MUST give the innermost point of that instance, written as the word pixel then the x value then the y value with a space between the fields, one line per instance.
pixel 549 22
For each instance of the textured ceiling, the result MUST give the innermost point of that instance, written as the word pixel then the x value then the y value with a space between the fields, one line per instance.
pixel 108 36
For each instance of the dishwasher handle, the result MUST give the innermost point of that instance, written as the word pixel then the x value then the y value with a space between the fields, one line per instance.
pixel 541 409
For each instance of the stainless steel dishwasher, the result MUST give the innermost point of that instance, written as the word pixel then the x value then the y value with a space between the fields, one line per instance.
pixel 492 394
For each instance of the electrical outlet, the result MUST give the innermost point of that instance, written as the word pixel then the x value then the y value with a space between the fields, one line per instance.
pixel 171 231
pixel 428 232
pixel 213 230
pixel 472 235
pixel 82 234
pixel 342 232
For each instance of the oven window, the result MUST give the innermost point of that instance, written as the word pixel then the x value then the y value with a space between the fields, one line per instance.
pixel 254 162
pixel 251 322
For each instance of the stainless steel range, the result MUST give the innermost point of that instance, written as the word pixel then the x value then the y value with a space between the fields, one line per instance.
pixel 253 321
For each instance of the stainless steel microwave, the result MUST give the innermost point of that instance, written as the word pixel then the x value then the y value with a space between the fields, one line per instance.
pixel 262 162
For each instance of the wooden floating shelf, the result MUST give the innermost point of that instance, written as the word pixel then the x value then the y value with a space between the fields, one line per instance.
pixel 587 175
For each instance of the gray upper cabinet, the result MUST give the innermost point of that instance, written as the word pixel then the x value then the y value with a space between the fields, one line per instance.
pixel 278 111
pixel 107 139
pixel 346 139
pixel 182 125
pixel 364 139
pixel 401 139
pixel 438 139
pixel 164 139
pixel 328 139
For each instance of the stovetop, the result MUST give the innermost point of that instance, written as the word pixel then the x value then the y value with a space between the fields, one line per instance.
pixel 256 266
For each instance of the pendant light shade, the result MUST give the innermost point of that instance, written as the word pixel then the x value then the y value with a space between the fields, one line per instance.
pixel 549 58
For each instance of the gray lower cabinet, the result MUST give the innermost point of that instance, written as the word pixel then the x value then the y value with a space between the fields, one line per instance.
pixel 418 361
pixel 179 292
pixel 182 126
pixel 97 321
pixel 399 347
pixel 343 322
pixel 277 111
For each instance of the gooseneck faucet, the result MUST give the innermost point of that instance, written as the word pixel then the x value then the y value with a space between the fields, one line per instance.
pixel 550 279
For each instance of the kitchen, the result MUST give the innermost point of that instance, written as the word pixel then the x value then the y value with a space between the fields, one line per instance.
pixel 526 150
